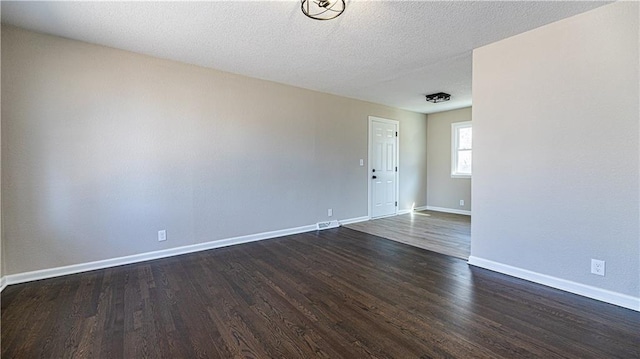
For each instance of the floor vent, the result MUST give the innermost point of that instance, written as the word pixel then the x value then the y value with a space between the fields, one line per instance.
pixel 326 225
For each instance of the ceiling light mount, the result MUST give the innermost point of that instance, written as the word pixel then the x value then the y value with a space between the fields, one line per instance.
pixel 438 97
pixel 323 9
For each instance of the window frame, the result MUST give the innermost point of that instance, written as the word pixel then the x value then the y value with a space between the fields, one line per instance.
pixel 455 129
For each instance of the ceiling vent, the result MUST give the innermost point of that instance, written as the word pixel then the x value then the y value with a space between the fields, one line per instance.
pixel 438 97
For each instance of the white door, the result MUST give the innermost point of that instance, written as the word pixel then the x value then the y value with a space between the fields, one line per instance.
pixel 384 167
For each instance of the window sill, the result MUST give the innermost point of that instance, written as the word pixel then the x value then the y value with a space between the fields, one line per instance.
pixel 453 175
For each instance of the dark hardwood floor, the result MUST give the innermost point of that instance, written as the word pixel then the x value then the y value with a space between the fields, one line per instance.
pixel 335 294
pixel 440 232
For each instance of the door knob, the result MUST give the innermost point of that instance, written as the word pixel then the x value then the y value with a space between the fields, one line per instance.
pixel 374 177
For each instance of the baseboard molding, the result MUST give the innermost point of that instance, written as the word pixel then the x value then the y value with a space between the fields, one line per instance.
pixel 143 257
pixel 603 295
pixel 409 210
pixel 448 210
pixel 353 220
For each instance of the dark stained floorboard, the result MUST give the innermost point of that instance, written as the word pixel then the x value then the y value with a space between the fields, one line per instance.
pixel 330 294
pixel 440 232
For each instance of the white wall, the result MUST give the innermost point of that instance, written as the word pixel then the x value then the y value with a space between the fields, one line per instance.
pixel 556 154
pixel 102 148
pixel 442 190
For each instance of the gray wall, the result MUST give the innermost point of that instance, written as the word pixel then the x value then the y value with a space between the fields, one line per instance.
pixel 442 190
pixel 101 148
pixel 556 149
pixel 2 262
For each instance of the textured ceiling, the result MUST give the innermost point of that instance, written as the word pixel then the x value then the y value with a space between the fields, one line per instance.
pixel 388 52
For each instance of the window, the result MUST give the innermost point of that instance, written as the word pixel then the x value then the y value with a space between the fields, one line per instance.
pixel 461 139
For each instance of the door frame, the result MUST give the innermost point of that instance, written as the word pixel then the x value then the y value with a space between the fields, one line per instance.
pixel 369 166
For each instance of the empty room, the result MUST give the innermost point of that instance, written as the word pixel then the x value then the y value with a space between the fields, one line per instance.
pixel 331 178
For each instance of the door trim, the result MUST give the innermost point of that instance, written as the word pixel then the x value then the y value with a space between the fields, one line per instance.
pixel 370 151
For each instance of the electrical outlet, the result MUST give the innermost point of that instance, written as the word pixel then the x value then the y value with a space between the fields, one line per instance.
pixel 330 212
pixel 361 162
pixel 597 267
pixel 162 235
pixel 462 202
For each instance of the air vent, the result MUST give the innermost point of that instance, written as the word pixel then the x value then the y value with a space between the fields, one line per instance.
pixel 326 225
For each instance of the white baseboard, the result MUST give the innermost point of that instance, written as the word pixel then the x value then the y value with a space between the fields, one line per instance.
pixel 619 299
pixel 448 210
pixel 409 210
pixel 142 257
pixel 354 220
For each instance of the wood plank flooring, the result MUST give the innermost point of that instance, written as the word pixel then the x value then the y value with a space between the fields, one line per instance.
pixel 440 232
pixel 337 293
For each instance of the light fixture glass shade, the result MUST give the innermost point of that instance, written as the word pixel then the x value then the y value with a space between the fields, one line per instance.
pixel 323 9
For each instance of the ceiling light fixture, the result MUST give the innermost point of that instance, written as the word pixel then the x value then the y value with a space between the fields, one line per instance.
pixel 438 97
pixel 323 9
